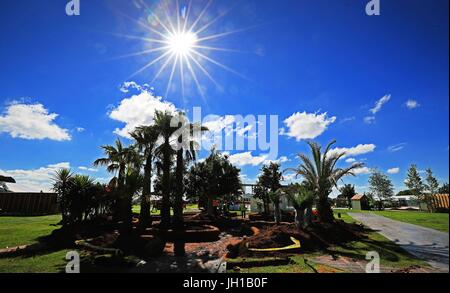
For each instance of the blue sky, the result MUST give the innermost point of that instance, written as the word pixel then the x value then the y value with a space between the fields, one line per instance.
pixel 62 93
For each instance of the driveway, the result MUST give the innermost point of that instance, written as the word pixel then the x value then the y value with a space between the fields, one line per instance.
pixel 425 243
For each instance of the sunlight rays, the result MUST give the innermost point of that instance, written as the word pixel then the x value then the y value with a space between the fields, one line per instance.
pixel 184 48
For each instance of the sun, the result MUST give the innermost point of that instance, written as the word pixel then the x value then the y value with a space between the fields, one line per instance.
pixel 182 43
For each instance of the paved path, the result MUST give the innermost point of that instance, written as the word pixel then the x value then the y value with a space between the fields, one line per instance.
pixel 425 243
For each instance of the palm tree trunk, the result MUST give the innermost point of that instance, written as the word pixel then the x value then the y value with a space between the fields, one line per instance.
pixel 165 207
pixel 299 217
pixel 325 211
pixel 145 217
pixel 179 244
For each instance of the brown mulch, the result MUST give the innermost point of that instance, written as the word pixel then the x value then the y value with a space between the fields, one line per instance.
pixel 316 237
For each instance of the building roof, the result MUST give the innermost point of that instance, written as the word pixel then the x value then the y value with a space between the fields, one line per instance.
pixel 358 197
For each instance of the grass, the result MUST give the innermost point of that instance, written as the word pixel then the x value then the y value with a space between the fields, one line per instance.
pixel 189 208
pixel 437 221
pixel 52 262
pixel 16 231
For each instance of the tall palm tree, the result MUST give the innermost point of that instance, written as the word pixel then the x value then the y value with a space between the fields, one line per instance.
pixel 187 148
pixel 117 159
pixel 322 175
pixel 146 138
pixel 165 128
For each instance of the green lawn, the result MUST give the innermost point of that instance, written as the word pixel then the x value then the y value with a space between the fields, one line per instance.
pixel 189 208
pixel 16 231
pixel 437 221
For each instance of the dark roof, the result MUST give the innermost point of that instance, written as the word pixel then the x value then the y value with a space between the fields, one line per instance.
pixel 7 179
pixel 358 197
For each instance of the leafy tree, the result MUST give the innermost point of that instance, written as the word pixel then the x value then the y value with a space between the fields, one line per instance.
pixel 214 178
pixel 269 182
pixel 62 183
pixel 262 193
pixel 444 189
pixel 432 185
pixel 322 175
pixel 414 183
pixel 381 186
pixel 404 192
pixel 348 191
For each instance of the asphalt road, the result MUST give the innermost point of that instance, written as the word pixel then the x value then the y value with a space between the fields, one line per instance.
pixel 425 243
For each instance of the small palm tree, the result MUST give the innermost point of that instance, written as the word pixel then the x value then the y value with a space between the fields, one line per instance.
pixel 118 159
pixel 146 138
pixel 301 199
pixel 62 181
pixel 275 198
pixel 322 175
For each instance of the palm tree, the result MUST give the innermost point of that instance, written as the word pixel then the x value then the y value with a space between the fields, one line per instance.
pixel 275 198
pixel 117 159
pixel 322 175
pixel 165 128
pixel 187 147
pixel 61 185
pixel 146 138
pixel 301 199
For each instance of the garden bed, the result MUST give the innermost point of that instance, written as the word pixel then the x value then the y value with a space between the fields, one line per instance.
pixel 314 238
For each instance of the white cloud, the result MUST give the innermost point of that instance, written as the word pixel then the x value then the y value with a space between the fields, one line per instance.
pixel 31 121
pixel 280 160
pixel 393 170
pixel 379 104
pixel 83 168
pixel 361 171
pixel 350 160
pixel 33 180
pixel 307 125
pixel 138 110
pixel 412 104
pixel 246 158
pixel 369 119
pixel 127 85
pixel 354 151
pixel 396 147
pixel 80 129
pixel 347 119
pixel 216 123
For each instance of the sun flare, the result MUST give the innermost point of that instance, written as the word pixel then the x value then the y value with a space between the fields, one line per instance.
pixel 182 43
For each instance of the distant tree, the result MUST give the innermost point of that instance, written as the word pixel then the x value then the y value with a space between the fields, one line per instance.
pixel 269 182
pixel 414 183
pixel 262 193
pixel 214 178
pixel 432 185
pixel 275 198
pixel 380 186
pixel 348 191
pixel 444 189
pixel 404 192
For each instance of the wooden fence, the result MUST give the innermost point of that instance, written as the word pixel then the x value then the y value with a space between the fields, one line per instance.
pixel 28 204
